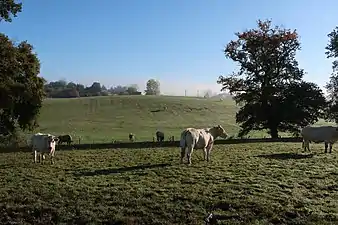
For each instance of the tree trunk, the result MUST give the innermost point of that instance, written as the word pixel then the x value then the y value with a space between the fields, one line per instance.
pixel 274 132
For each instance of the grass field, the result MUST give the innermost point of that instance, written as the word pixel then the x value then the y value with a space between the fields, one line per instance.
pixel 103 119
pixel 249 183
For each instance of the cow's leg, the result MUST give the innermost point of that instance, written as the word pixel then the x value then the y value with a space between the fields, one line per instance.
pixel 189 153
pixel 326 145
pixel 205 153
pixel 182 154
pixel 331 147
pixel 52 154
pixel 34 155
pixel 307 145
pixel 209 151
pixel 42 155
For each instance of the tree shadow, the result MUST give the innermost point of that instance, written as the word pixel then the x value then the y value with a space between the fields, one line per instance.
pixel 120 170
pixel 286 156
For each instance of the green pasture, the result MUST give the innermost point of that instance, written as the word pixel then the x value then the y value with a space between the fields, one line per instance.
pixel 266 183
pixel 104 119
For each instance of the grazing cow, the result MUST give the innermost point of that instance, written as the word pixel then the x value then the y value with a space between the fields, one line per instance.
pixel 65 138
pixel 193 138
pixel 326 134
pixel 43 143
pixel 159 136
pixel 131 137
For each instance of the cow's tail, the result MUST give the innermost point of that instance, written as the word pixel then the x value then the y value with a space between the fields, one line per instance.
pixel 183 143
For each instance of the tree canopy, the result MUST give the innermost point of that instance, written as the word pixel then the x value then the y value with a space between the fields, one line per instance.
pixel 21 90
pixel 332 85
pixel 9 9
pixel 152 87
pixel 269 85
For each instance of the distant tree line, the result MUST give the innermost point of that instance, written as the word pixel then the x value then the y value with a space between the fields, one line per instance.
pixel 63 89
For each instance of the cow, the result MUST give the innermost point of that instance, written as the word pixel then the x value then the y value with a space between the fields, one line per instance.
pixel 131 137
pixel 43 143
pixel 65 138
pixel 326 134
pixel 192 138
pixel 159 136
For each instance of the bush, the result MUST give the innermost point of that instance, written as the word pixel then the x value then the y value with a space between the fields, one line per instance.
pixel 13 141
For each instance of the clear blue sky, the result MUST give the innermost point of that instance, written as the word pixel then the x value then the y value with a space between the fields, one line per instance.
pixel 178 42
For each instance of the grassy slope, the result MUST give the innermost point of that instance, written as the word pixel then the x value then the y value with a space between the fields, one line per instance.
pixel 116 116
pixel 254 184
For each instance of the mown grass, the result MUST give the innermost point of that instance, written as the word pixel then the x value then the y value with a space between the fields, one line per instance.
pixel 103 119
pixel 267 183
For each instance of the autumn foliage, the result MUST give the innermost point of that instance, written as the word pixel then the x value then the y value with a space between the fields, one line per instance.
pixel 269 83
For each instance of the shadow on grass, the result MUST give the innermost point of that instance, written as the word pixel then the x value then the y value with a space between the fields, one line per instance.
pixel 285 156
pixel 14 150
pixel 120 170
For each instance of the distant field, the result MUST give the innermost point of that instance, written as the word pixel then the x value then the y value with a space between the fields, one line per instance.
pixel 247 183
pixel 103 119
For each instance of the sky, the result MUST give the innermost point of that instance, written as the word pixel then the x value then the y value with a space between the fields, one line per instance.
pixel 178 42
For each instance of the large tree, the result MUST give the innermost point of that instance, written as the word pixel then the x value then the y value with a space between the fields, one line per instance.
pixel 21 90
pixel 153 87
pixel 332 85
pixel 269 86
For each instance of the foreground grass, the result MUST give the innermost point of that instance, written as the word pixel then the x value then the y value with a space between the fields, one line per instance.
pixel 248 184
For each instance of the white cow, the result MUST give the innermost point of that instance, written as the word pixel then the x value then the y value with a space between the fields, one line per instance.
pixel 43 143
pixel 193 138
pixel 326 134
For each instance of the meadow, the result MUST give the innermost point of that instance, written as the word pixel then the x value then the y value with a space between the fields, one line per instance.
pixel 256 183
pixel 104 119
pixel 267 183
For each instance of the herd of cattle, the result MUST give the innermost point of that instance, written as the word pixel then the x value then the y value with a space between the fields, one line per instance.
pixel 191 138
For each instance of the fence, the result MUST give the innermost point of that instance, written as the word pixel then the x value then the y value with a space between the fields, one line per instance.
pixel 151 144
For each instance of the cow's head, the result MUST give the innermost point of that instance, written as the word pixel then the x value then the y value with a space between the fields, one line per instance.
pixel 51 142
pixel 219 131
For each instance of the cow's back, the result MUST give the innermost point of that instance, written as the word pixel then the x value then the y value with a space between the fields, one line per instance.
pixel 197 137
pixel 319 133
pixel 159 133
pixel 38 141
pixel 66 137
